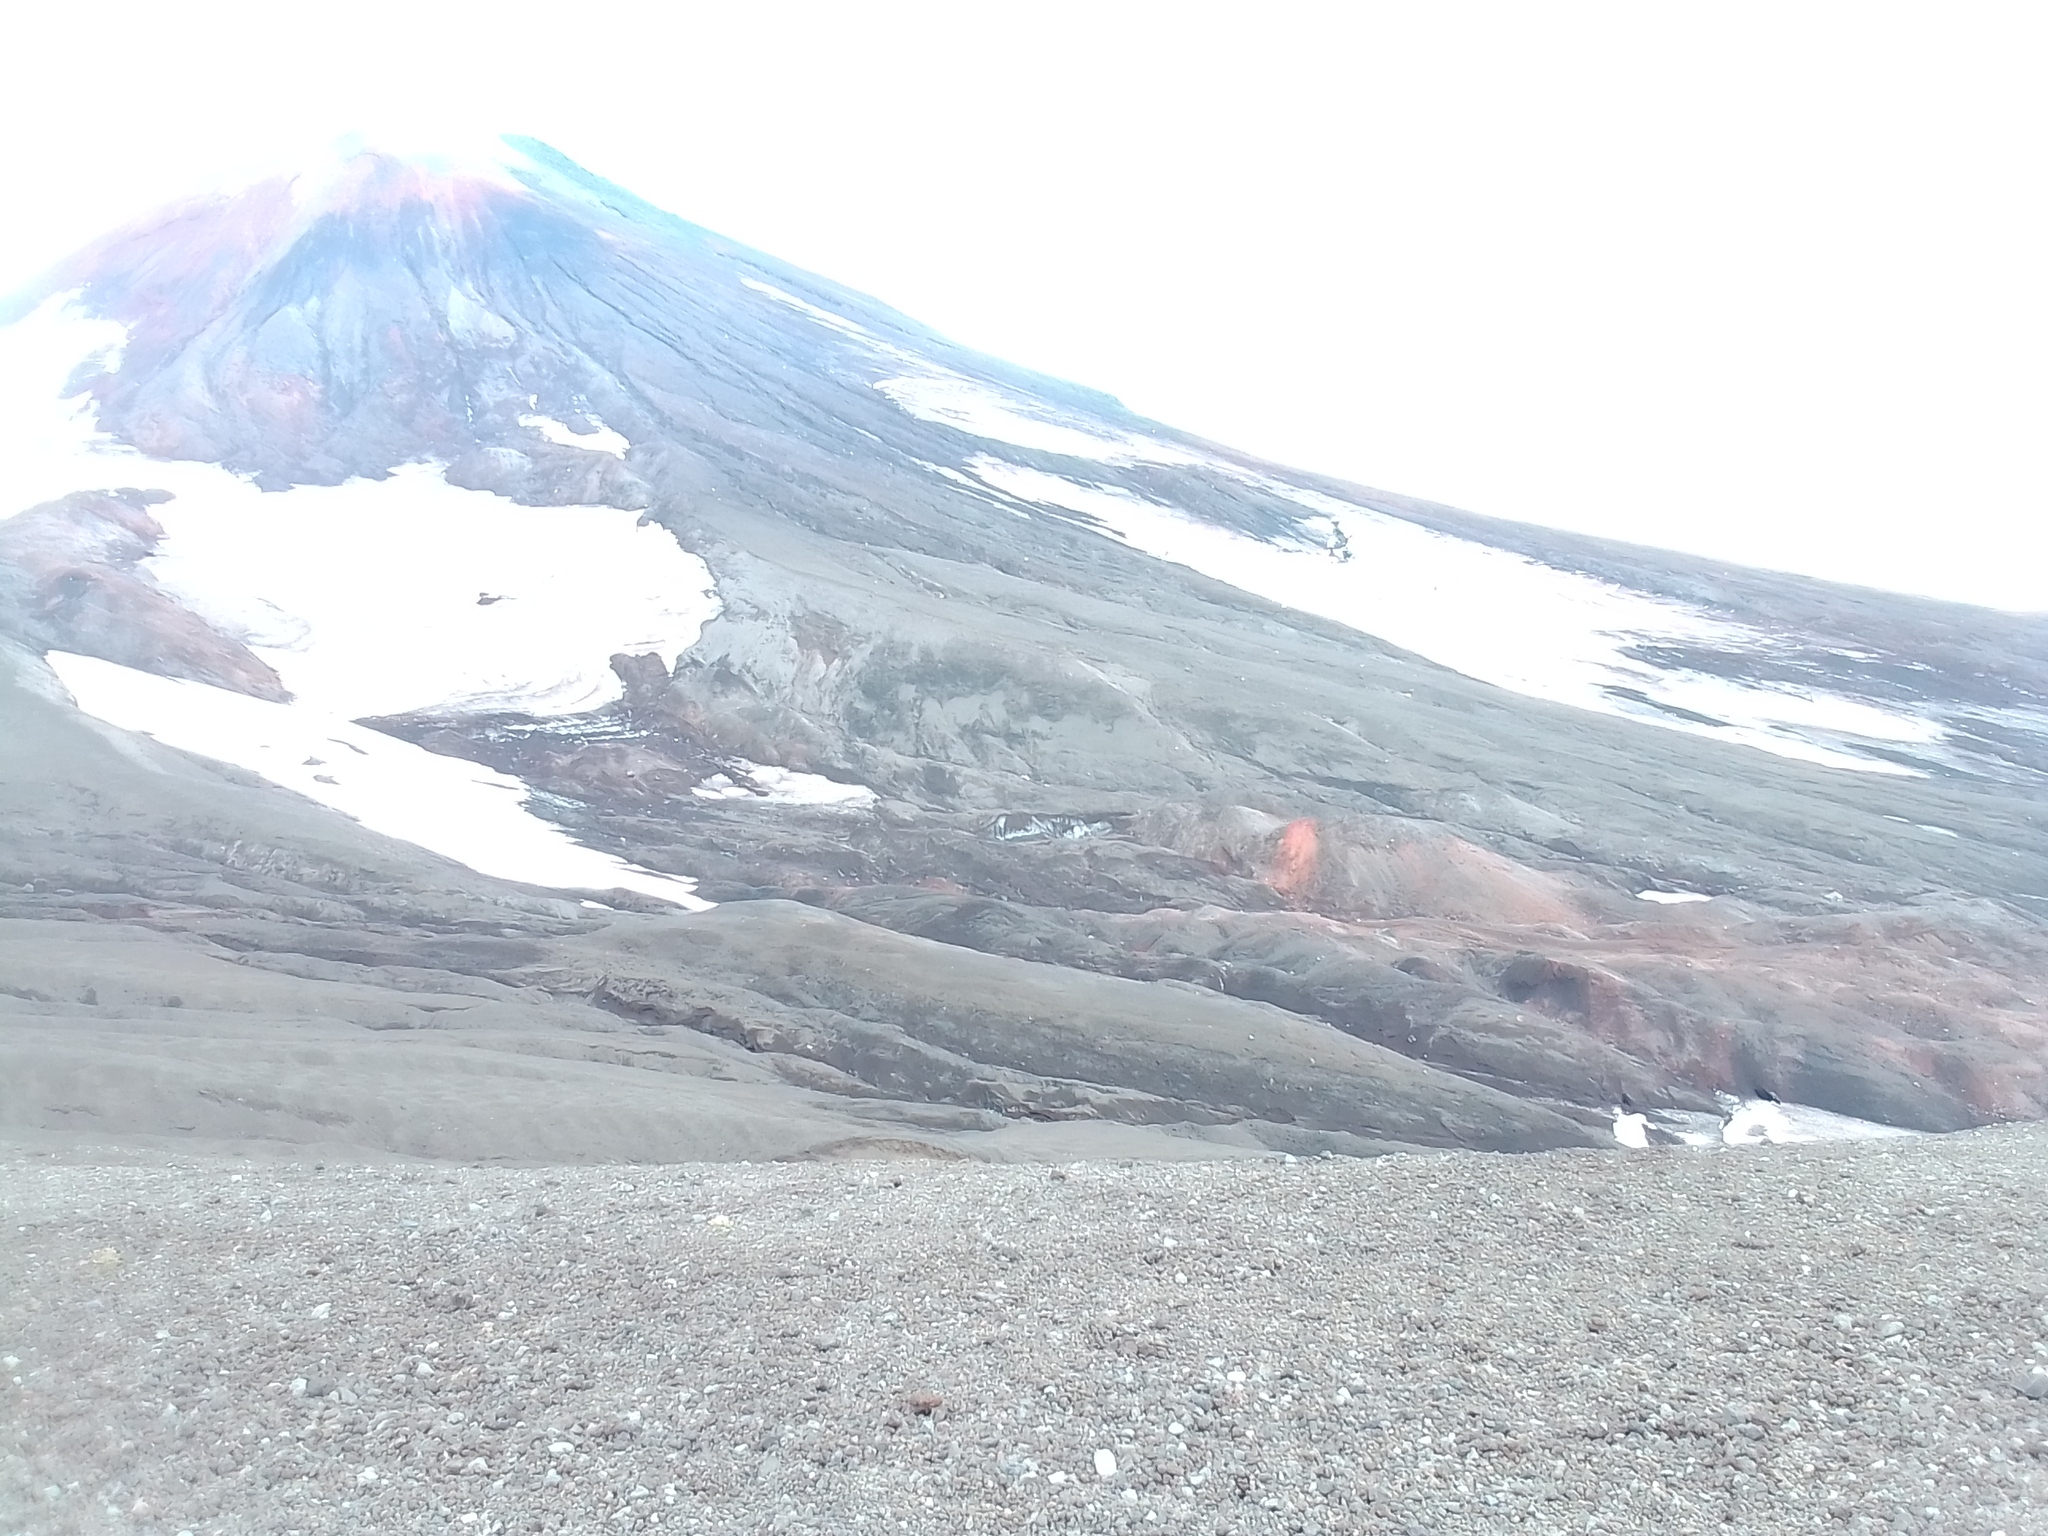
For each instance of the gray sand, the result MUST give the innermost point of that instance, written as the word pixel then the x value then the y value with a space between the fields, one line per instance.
pixel 1823 1338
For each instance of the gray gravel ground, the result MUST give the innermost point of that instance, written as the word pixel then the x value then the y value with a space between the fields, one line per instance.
pixel 1852 1337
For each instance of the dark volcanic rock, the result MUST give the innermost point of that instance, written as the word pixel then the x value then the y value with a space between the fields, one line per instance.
pixel 71 579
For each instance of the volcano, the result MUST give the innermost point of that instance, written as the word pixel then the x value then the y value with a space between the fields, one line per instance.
pixel 492 669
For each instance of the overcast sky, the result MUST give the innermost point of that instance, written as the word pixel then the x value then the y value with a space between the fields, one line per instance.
pixel 1763 281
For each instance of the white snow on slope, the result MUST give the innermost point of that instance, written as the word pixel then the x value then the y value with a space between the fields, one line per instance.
pixel 933 392
pixel 1751 1123
pixel 373 597
pixel 381 597
pixel 785 786
pixel 952 399
pixel 471 814
pixel 1760 1121
pixel 1461 632
pixel 825 317
pixel 1631 1130
pixel 1485 612
pixel 46 434
pixel 1671 898
pixel 598 438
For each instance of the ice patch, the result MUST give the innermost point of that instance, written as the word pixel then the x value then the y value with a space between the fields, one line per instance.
pixel 465 812
pixel 599 438
pixel 786 786
pixel 1760 1121
pixel 1671 898
pixel 1485 612
pixel 1632 1130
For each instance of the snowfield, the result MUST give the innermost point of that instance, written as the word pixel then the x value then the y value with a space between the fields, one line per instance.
pixel 373 597
pixel 493 606
pixel 465 812
pixel 1488 613
pixel 48 431
pixel 369 598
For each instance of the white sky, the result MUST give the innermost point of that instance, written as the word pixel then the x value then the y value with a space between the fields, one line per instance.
pixel 1764 281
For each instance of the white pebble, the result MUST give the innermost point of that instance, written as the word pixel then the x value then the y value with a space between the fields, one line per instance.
pixel 1105 1463
pixel 366 1477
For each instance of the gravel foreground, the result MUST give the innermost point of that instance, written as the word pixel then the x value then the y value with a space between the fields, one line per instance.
pixel 1847 1337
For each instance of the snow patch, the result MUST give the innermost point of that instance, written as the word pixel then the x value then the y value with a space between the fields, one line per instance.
pixel 932 392
pixel 969 483
pixel 785 786
pixel 599 438
pixel 1488 613
pixel 952 399
pixel 1672 898
pixel 1924 826
pixel 46 432
pixel 824 317
pixel 373 597
pixel 465 812
pixel 408 594
pixel 1632 1130
pixel 1756 1122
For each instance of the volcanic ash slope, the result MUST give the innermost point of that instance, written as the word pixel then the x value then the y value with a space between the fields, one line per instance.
pixel 1832 1337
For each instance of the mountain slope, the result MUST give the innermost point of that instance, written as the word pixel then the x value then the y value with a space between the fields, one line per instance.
pixel 756 589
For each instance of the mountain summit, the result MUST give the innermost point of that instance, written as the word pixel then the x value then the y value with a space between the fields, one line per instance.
pixel 1053 774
